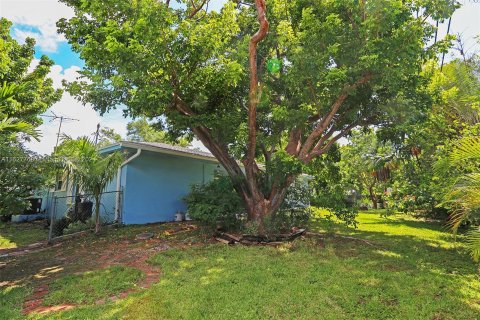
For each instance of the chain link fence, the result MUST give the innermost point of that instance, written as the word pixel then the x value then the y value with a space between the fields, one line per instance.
pixel 71 214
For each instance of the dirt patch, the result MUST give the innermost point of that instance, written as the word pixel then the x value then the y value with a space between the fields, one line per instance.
pixel 38 267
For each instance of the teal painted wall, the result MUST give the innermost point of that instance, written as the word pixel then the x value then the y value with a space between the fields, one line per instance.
pixel 154 184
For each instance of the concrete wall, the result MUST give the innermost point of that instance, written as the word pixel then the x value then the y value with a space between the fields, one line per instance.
pixel 154 184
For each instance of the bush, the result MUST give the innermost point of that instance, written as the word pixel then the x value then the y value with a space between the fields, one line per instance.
pixel 79 226
pixel 59 225
pixel 81 211
pixel 215 203
pixel 294 212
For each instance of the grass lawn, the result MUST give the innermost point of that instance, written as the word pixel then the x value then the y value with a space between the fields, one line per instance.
pixel 13 235
pixel 91 286
pixel 409 269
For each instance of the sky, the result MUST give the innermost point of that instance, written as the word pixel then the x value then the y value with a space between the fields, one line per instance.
pixel 37 18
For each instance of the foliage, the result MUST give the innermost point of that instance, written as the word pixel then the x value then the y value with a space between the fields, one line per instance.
pixel 141 130
pixel 425 140
pixel 464 196
pixel 366 166
pixel 59 225
pixel 329 190
pixel 295 210
pixel 79 225
pixel 24 94
pixel 91 171
pixel 190 73
pixel 215 203
pixel 21 172
pixel 9 124
pixel 108 136
pixel 91 286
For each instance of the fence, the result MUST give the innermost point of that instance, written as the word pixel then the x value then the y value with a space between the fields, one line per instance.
pixel 71 214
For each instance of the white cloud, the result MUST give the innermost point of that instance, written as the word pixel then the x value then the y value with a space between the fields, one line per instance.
pixel 69 107
pixel 42 15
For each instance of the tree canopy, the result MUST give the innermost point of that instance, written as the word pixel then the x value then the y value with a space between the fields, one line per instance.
pixel 338 65
pixel 24 94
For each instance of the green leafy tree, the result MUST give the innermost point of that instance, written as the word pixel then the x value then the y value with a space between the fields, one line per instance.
pixel 23 95
pixel 21 172
pixel 366 164
pixel 91 171
pixel 10 125
pixel 108 136
pixel 429 136
pixel 141 130
pixel 206 73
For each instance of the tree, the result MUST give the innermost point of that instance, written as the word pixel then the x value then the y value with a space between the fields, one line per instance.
pixel 141 130
pixel 108 136
pixel 428 137
pixel 23 95
pixel 366 165
pixel 91 171
pixel 9 125
pixel 278 84
pixel 21 172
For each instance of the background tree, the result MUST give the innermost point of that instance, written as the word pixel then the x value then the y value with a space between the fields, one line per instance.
pixel 341 63
pixel 23 96
pixel 429 137
pixel 141 130
pixel 108 136
pixel 366 164
pixel 21 172
pixel 91 171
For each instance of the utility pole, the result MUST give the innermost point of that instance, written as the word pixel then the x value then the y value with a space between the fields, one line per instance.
pixel 96 133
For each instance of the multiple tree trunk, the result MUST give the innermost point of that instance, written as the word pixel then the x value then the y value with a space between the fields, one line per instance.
pixel 304 146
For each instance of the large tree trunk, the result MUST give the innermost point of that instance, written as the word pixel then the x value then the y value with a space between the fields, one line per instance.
pixel 258 204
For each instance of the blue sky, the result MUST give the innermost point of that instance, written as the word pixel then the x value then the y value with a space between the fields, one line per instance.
pixel 36 18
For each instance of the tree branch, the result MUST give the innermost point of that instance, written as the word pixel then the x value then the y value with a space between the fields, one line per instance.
pixel 195 8
pixel 325 122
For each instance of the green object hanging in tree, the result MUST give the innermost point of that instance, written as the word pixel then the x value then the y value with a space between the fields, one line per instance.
pixel 274 65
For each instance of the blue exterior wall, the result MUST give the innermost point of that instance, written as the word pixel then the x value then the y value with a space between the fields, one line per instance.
pixel 154 184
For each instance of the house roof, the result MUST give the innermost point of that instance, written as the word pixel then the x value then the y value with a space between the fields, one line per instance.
pixel 161 148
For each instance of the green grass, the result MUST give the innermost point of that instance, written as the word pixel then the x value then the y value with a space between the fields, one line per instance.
pixel 11 299
pixel 13 235
pixel 92 286
pixel 414 271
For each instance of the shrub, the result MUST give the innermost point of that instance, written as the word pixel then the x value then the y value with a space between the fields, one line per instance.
pixel 81 211
pixel 59 225
pixel 79 226
pixel 294 212
pixel 215 203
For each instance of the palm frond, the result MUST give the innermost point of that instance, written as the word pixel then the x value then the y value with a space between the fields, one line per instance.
pixel 473 243
pixel 466 148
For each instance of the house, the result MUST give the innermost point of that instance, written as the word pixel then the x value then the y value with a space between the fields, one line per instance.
pixel 155 177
